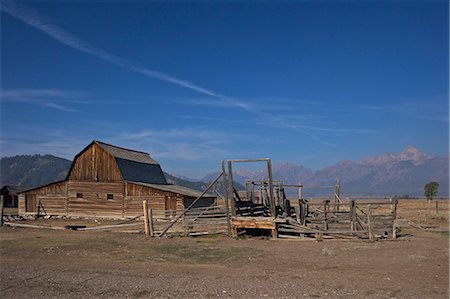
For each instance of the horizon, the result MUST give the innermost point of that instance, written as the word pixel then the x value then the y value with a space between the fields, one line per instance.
pixel 251 167
pixel 195 83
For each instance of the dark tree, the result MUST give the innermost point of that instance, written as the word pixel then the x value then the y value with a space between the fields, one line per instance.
pixel 431 190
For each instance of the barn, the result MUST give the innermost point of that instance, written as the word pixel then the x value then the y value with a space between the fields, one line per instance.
pixel 109 181
pixel 11 195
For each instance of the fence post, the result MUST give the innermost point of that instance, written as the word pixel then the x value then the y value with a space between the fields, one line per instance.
pixel 146 224
pixel 227 199
pixel 437 207
pixel 231 189
pixel 2 203
pixel 150 217
pixel 352 215
pixel 369 224
pixel 394 217
pixel 325 212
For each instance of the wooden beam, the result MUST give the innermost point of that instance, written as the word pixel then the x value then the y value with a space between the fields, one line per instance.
pixel 370 224
pixel 146 224
pixel 231 188
pixel 273 211
pixel 150 226
pixel 225 196
pixel 2 203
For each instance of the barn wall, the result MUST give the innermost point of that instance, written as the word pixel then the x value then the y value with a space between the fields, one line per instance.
pixel 49 200
pixel 95 164
pixel 158 200
pixel 94 202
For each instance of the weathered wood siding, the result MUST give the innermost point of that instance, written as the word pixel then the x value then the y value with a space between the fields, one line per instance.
pixel 95 164
pixel 49 200
pixel 94 202
pixel 158 200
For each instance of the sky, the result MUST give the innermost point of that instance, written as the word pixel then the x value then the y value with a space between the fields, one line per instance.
pixel 193 83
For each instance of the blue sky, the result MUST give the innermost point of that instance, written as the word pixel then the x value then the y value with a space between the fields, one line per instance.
pixel 196 82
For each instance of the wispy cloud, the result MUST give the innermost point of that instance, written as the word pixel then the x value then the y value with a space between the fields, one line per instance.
pixel 191 144
pixel 51 98
pixel 29 95
pixel 32 18
pixel 35 20
pixel 60 107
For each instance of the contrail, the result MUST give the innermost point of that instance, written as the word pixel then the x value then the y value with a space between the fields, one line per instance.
pixel 32 18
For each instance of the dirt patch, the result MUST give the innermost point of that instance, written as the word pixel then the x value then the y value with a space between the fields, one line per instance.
pixel 42 263
pixel 47 263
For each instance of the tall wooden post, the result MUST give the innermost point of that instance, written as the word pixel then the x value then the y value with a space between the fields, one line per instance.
pixel 231 189
pixel 337 194
pixel 394 217
pixel 273 211
pixel 370 224
pixel 325 215
pixel 299 193
pixel 2 203
pixel 150 217
pixel 225 196
pixel 146 224
pixel 352 215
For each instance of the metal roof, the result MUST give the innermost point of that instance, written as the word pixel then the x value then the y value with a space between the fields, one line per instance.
pixel 135 165
pixel 127 154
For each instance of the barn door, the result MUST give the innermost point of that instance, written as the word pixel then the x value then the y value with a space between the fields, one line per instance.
pixel 171 205
pixel 30 203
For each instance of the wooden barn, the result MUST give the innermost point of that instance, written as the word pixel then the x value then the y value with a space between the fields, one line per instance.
pixel 109 181
pixel 11 195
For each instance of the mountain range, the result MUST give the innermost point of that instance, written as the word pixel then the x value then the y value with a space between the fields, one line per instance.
pixel 401 173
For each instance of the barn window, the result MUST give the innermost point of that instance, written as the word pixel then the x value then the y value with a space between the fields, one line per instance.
pixel 79 195
pixel 109 196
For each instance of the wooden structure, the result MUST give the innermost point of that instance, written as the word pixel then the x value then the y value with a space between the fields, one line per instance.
pixel 264 206
pixel 11 195
pixel 109 181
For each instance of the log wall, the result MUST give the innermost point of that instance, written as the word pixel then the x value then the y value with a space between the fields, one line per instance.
pixel 158 200
pixel 90 199
pixel 50 199
pixel 94 201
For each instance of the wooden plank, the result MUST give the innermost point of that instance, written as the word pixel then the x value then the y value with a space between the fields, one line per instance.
pixel 2 203
pixel 146 224
pixel 150 217
pixel 227 199
pixel 255 223
pixel 32 226
pixel 369 224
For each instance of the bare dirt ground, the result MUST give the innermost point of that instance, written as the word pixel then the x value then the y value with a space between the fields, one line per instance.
pixel 65 264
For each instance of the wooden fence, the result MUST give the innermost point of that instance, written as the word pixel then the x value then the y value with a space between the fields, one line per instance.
pixel 195 221
pixel 360 219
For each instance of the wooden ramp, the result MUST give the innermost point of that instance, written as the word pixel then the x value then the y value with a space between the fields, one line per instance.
pixel 245 223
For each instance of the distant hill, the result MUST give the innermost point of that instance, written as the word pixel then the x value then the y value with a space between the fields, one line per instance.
pixel 32 170
pixel 37 170
pixel 401 173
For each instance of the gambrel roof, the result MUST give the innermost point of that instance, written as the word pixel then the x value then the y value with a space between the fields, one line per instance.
pixel 126 154
pixel 133 165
